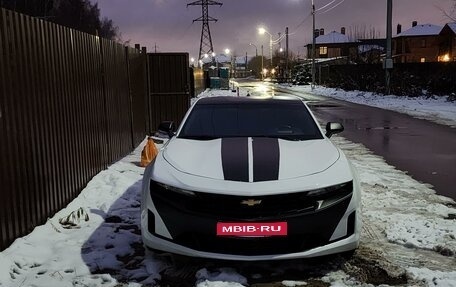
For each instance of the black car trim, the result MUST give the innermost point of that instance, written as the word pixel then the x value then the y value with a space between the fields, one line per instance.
pixel 304 233
pixel 196 229
pixel 266 159
pixel 235 159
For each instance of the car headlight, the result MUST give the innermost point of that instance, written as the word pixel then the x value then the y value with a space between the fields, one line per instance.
pixel 331 195
pixel 340 188
pixel 160 187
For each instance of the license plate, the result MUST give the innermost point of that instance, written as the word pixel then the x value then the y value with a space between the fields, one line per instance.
pixel 252 229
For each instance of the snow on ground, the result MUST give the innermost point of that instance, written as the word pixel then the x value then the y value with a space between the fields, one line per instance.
pixel 408 231
pixel 436 109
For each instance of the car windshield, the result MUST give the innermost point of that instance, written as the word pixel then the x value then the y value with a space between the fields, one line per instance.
pixel 289 121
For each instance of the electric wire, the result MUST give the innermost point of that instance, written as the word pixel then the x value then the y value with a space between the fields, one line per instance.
pixel 324 7
pixel 297 28
pixel 333 7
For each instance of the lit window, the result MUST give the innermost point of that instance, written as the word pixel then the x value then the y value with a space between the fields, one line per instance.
pixel 444 58
pixel 323 50
pixel 423 60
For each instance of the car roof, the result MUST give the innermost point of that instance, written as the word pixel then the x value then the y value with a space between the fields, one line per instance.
pixel 250 100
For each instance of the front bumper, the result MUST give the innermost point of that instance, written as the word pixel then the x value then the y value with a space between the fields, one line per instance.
pixel 191 230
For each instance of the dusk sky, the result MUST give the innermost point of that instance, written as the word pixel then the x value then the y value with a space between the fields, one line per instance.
pixel 168 23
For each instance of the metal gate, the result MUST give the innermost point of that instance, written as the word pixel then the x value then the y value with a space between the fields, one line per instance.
pixel 169 88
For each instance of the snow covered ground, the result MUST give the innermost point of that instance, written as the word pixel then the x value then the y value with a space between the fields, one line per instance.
pixel 436 109
pixel 409 238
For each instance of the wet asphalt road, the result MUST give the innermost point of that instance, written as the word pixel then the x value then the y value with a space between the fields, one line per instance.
pixel 425 150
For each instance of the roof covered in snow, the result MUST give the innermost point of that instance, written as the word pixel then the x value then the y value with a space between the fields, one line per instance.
pixel 422 30
pixel 332 38
pixel 452 26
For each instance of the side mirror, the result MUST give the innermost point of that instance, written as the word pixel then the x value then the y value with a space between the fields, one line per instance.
pixel 166 129
pixel 333 128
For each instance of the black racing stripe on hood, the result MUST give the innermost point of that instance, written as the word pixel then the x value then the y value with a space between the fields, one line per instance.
pixel 235 159
pixel 266 159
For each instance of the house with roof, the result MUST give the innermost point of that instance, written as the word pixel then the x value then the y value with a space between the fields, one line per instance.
pixel 333 45
pixel 447 48
pixel 420 43
pixel 337 45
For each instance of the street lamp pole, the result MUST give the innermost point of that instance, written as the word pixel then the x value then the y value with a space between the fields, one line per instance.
pixel 388 64
pixel 262 63
pixel 313 45
pixel 263 31
pixel 256 49
pixel 228 52
pixel 270 47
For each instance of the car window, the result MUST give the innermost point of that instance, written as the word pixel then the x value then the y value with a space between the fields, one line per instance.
pixel 290 121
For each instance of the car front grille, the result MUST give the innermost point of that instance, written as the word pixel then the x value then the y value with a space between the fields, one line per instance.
pixel 230 207
pixel 192 217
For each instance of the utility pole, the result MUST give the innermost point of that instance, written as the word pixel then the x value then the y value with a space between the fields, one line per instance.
pixel 286 53
pixel 246 61
pixel 313 45
pixel 388 64
pixel 206 46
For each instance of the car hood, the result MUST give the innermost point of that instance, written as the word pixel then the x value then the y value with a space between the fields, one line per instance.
pixel 250 159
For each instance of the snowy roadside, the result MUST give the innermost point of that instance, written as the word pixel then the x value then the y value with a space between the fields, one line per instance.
pixel 437 109
pixel 408 231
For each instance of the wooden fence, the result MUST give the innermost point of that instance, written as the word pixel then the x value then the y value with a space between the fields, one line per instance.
pixel 70 104
pixel 409 79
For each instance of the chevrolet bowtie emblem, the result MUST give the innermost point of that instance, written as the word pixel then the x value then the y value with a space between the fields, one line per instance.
pixel 251 202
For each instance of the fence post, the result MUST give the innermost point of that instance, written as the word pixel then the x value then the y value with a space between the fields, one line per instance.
pixel 130 97
pixel 105 104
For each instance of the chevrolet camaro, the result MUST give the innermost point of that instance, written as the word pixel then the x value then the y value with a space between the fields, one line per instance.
pixel 247 178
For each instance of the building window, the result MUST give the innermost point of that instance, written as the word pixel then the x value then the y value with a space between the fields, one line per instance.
pixel 423 60
pixel 444 58
pixel 423 43
pixel 323 50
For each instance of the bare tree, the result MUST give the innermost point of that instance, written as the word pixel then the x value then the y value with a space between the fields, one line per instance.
pixel 356 32
pixel 451 12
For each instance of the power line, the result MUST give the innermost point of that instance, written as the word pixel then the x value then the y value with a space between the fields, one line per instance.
pixel 333 7
pixel 321 8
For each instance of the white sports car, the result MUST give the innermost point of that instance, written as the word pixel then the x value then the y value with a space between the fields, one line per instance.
pixel 248 178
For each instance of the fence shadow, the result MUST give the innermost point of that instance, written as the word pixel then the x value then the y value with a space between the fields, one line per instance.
pixel 116 247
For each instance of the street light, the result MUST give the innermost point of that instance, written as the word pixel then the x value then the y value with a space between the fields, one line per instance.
pixel 228 52
pixel 262 31
pixel 214 60
pixel 256 49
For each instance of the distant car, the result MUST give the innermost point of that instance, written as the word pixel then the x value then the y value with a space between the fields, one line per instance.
pixel 248 178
